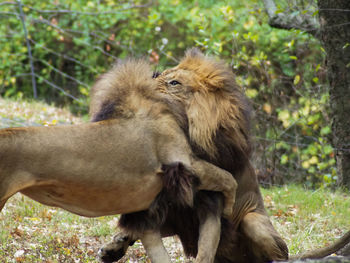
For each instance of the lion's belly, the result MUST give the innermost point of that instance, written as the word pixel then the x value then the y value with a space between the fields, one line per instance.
pixel 98 199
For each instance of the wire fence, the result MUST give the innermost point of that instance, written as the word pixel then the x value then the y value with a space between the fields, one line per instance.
pixel 17 17
pixel 57 52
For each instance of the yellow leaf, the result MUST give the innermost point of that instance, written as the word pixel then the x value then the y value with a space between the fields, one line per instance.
pixel 248 24
pixel 267 108
pixel 305 164
pixel 296 79
pixel 313 160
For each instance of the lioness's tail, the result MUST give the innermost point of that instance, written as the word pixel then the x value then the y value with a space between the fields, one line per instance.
pixel 179 184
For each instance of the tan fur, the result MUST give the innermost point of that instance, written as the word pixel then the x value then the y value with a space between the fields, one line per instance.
pixel 211 100
pixel 207 101
pixel 107 167
pixel 129 83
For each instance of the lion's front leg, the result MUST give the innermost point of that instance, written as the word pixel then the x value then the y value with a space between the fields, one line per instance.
pixel 116 249
pixel 151 240
pixel 153 244
pixel 214 178
pixel 209 237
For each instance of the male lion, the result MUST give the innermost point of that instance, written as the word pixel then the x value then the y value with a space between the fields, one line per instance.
pixel 110 167
pixel 214 115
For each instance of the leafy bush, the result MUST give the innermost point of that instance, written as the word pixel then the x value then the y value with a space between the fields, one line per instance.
pixel 282 72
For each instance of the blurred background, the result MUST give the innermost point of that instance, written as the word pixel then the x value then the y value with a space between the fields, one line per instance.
pixel 54 50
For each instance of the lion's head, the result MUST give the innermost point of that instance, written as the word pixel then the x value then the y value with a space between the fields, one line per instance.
pixel 217 112
pixel 202 94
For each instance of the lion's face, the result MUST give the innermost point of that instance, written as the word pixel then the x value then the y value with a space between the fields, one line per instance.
pixel 179 84
pixel 212 101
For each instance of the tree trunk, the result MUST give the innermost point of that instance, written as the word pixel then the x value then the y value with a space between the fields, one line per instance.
pixel 334 18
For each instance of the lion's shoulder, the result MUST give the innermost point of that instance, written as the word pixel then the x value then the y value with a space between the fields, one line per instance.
pixel 122 92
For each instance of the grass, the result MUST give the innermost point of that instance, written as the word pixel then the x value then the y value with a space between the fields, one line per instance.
pixel 31 232
pixel 15 113
pixel 308 219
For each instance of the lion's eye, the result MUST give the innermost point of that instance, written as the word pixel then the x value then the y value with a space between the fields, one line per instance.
pixel 174 83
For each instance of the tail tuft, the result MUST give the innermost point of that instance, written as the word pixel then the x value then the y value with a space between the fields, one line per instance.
pixel 179 183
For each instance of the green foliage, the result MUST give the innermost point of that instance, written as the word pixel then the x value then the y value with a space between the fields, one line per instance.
pixel 281 71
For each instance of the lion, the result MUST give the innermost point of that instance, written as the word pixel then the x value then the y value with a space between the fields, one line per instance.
pixel 116 96
pixel 215 116
pixel 120 165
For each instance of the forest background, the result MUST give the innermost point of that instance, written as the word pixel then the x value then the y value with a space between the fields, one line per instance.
pixel 54 50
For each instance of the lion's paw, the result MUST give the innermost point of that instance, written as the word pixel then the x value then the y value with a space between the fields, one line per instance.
pixel 114 250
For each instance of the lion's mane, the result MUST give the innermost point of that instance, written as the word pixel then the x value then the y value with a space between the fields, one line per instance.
pixel 218 114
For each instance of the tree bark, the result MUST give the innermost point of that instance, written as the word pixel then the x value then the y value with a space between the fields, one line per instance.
pixel 285 20
pixel 334 17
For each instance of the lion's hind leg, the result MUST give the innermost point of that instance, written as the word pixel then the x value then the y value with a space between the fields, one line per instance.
pixel 267 245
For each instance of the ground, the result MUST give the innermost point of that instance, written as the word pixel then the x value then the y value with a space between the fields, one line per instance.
pixel 30 232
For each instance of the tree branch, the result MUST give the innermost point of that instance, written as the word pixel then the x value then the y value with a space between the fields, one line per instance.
pixel 289 21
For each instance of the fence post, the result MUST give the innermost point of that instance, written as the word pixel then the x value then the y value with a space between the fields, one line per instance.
pixel 35 93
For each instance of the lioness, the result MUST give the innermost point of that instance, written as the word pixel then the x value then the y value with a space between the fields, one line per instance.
pixel 110 167
pixel 214 115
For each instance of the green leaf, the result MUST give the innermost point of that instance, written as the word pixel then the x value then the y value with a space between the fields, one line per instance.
pixel 318 67
pixel 284 159
pixel 252 93
pixel 327 149
pixel 325 130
